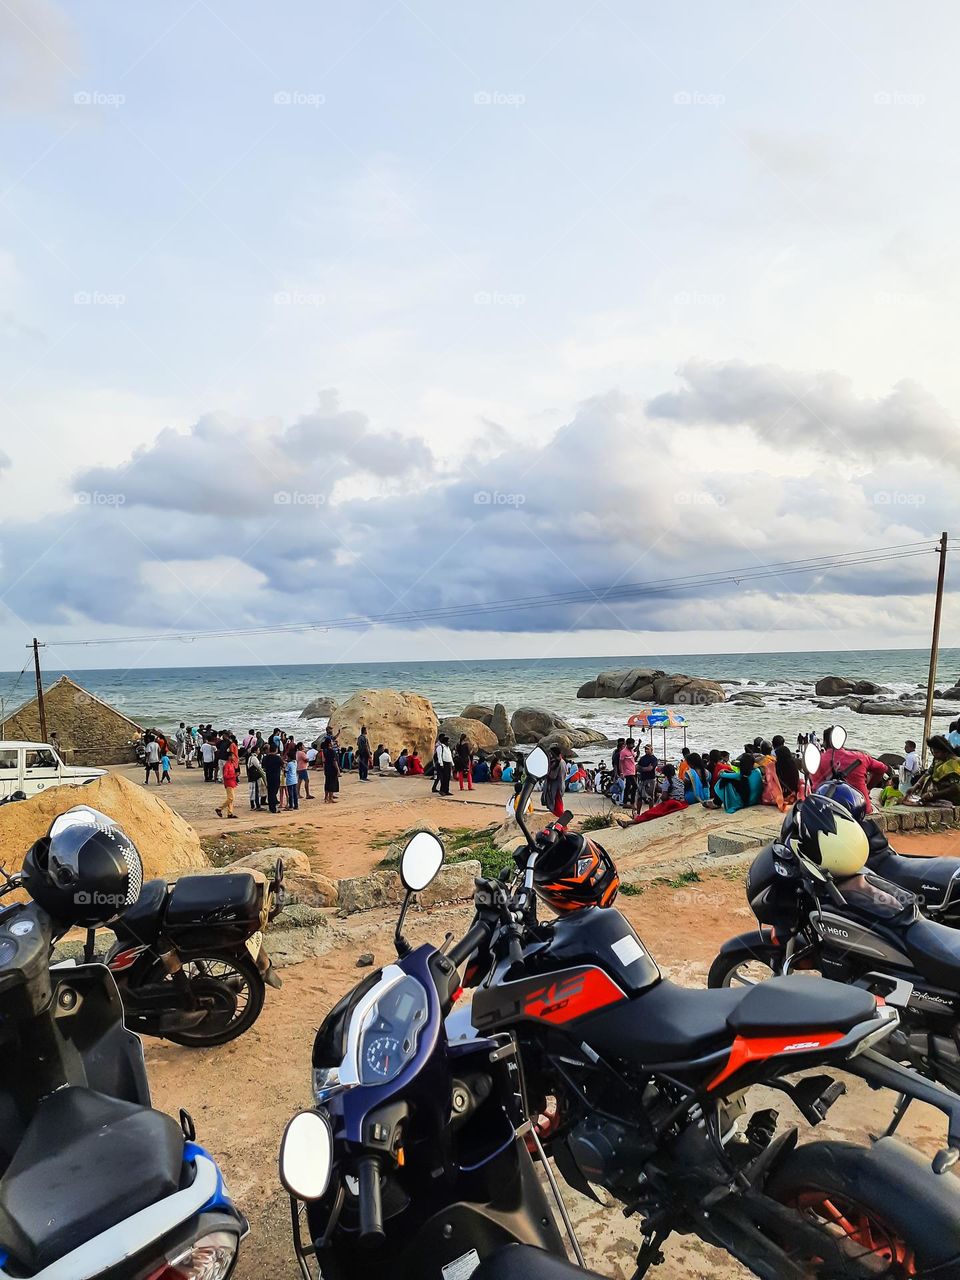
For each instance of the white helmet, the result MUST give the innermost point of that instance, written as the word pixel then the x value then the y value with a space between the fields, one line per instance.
pixel 831 838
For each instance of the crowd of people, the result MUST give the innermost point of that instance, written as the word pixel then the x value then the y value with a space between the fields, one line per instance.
pixel 278 770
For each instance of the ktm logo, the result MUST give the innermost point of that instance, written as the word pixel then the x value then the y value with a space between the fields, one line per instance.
pixel 546 1000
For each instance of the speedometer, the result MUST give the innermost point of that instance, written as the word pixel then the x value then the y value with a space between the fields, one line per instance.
pixel 382 1055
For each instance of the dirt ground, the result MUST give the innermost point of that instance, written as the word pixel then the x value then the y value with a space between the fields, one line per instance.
pixel 242 1094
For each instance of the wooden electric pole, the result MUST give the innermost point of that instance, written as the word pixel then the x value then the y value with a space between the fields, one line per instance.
pixel 934 649
pixel 40 707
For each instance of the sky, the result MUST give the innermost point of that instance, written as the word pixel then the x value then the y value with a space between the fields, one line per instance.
pixel 313 312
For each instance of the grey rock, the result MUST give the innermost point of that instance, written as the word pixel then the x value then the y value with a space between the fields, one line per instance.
pixel 477 711
pixel 500 724
pixel 684 690
pixel 365 960
pixel 318 708
pixel 588 690
pixel 454 883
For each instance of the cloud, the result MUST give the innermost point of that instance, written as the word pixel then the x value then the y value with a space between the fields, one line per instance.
pixel 787 408
pixel 240 523
pixel 39 52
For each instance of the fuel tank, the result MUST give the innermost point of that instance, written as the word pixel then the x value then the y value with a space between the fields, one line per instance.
pixel 588 959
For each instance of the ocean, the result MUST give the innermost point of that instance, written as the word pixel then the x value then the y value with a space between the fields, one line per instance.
pixel 261 697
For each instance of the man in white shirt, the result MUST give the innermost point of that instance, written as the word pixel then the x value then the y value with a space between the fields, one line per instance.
pixel 910 767
pixel 384 763
pixel 208 754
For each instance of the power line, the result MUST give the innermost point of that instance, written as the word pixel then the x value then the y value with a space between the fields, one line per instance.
pixel 614 592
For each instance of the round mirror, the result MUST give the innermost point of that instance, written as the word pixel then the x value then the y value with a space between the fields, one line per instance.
pixel 838 736
pixel 537 764
pixel 306 1155
pixel 811 758
pixel 420 861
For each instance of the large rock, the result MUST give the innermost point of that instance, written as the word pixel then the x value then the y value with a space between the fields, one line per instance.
pixel 688 690
pixel 869 707
pixel 477 711
pixel 571 740
pixel 588 690
pixel 302 885
pixel 319 708
pixel 479 735
pixel 622 683
pixel 168 845
pixel 454 883
pixel 530 724
pixel 746 699
pixel 833 686
pixel 398 719
pixel 500 724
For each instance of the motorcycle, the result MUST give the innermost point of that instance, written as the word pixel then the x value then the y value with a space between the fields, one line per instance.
pixel 93 1181
pixel 863 930
pixel 416 1160
pixel 188 958
pixel 629 1082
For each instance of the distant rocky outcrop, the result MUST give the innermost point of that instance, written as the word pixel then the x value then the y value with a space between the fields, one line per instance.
pixel 318 708
pixel 396 718
pixel 650 684
pixel 480 736
pixel 835 686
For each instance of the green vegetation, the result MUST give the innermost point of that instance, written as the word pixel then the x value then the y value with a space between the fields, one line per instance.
pixel 222 847
pixel 461 844
pixel 596 822
pixel 679 881
pixel 631 890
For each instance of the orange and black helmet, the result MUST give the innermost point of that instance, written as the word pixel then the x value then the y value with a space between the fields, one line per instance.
pixel 576 873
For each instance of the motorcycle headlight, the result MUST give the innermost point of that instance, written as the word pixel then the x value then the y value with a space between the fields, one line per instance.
pixel 209 1258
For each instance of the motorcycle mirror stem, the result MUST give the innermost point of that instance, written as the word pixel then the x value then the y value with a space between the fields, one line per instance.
pixel 399 941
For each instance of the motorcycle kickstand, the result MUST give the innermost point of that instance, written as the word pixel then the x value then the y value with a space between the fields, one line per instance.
pixel 899 1111
pixel 531 1128
pixel 649 1254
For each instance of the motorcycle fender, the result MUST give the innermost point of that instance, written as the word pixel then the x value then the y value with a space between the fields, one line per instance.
pixel 747 943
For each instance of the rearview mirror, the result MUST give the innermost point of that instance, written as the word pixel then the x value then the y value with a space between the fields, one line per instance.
pixel 838 736
pixel 811 758
pixel 306 1155
pixel 420 861
pixel 537 764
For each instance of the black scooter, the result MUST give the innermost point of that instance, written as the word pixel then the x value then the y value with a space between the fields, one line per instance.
pixel 93 1182
pixel 189 959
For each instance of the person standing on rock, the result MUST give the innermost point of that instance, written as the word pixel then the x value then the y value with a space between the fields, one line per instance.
pixel 443 764
pixel 363 754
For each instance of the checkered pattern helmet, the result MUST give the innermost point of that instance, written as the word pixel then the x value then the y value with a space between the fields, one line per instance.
pixel 85 871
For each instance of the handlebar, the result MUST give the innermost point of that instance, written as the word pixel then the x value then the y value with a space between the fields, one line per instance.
pixel 370 1203
pixel 475 937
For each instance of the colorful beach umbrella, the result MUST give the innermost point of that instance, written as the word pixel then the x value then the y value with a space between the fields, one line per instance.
pixel 657 718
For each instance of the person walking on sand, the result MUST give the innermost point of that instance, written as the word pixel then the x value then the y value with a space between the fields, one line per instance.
pixel 165 767
pixel 151 760
pixel 464 762
pixel 331 770
pixel 229 774
pixel 443 761
pixel 303 770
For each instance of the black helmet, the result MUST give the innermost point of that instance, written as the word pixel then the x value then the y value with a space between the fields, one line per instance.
pixel 830 837
pixel 84 871
pixel 576 873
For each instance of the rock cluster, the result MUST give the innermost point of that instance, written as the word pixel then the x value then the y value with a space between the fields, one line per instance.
pixel 650 684
pixel 489 728
pixel 836 686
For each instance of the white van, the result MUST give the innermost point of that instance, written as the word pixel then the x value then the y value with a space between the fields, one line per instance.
pixel 35 766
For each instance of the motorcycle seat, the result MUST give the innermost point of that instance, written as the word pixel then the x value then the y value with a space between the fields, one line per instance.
pixel 195 899
pixel 668 1023
pixel 929 878
pixel 86 1162
pixel 141 922
pixel 935 950
pixel 524 1262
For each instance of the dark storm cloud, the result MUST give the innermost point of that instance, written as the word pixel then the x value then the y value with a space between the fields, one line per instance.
pixel 241 512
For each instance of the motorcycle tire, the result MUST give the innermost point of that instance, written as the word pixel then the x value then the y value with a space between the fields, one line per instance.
pixel 724 970
pixel 892 1216
pixel 207 971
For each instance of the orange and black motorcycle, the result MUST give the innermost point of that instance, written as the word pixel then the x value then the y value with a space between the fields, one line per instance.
pixel 642 1087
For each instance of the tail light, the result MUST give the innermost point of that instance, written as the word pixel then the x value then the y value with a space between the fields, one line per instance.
pixel 209 1258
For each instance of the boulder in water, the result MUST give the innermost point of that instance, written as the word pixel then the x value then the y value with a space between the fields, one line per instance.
pixel 688 690
pixel 318 708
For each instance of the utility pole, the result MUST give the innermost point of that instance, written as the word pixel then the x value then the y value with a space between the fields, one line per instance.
pixel 40 707
pixel 934 649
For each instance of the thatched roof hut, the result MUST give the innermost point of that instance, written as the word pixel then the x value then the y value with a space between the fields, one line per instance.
pixel 88 730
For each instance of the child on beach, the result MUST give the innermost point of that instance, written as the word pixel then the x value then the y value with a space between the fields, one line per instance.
pixel 165 767
pixel 290 777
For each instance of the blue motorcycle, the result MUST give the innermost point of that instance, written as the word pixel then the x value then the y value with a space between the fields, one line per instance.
pixel 419 1156
pixel 93 1182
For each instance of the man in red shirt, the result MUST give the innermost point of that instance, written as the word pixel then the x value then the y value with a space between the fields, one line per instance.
pixel 866 772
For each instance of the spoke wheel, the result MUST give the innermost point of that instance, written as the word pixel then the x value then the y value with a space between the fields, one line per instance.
pixel 873 1249
pixel 231 988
